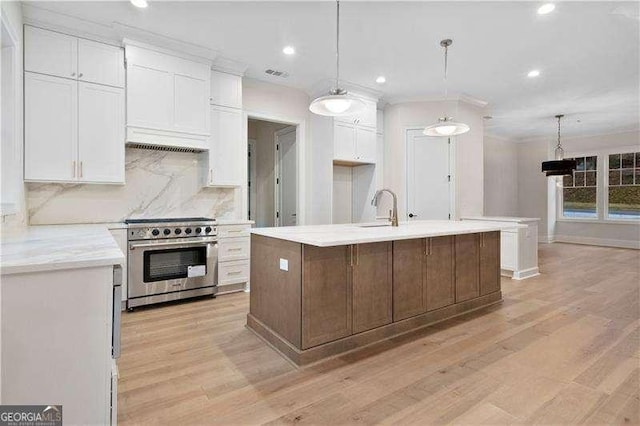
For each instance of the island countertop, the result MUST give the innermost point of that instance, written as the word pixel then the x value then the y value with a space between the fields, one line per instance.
pixel 360 233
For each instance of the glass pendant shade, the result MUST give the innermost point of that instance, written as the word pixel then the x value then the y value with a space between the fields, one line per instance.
pixel 336 104
pixel 446 127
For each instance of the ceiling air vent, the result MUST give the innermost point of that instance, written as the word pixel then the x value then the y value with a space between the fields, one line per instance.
pixel 275 73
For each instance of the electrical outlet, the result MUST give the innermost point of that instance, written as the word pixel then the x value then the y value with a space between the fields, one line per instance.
pixel 284 265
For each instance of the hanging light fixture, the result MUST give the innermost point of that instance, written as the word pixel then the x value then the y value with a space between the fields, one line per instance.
pixel 446 126
pixel 338 102
pixel 559 166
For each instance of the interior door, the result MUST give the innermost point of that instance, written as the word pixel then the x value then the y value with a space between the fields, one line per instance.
pixel 101 133
pixel 429 190
pixel 286 179
pixel 50 128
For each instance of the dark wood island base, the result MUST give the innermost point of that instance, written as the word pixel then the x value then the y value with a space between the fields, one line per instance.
pixel 312 302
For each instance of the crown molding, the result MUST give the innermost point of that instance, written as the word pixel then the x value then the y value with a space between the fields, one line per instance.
pixel 456 97
pixel 323 87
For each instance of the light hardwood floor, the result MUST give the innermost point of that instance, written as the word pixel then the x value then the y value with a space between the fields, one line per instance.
pixel 563 348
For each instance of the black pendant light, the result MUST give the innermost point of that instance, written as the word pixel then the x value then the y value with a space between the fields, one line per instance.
pixel 559 166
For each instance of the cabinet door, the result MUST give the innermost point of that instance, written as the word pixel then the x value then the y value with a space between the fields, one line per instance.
pixel 368 116
pixel 344 142
pixel 49 52
pixel 489 262
pixel 50 127
pixel 366 145
pixel 100 63
pixel 326 295
pixel 149 97
pixel 372 285
pixel 226 89
pixel 408 278
pixel 100 133
pixel 467 267
pixel 191 104
pixel 440 288
pixel 227 159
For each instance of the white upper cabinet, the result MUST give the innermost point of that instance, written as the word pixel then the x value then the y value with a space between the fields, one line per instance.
pixel 50 128
pixel 49 52
pixel 100 133
pixel 227 157
pixel 344 142
pixel 366 145
pixel 100 63
pixel 379 121
pixel 226 89
pixel 167 99
pixel 366 117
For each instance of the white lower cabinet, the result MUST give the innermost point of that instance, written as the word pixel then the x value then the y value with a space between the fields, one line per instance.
pixel 74 131
pixel 234 250
pixel 225 163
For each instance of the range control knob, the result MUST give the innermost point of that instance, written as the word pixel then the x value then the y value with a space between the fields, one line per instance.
pixel 178 231
pixel 207 229
pixel 155 232
pixel 187 231
pixel 167 231
pixel 198 230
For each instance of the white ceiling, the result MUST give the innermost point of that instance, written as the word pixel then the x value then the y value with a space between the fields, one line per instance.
pixel 587 52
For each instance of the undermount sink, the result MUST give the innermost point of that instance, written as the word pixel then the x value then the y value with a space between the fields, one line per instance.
pixel 373 225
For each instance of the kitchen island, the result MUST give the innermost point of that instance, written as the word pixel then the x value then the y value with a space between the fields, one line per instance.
pixel 317 291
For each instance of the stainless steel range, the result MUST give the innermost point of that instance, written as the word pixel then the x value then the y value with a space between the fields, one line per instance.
pixel 171 259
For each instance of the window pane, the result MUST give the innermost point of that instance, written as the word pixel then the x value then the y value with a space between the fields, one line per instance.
pixel 624 202
pixel 580 162
pixel 591 163
pixel 627 176
pixel 627 161
pixel 591 179
pixel 637 176
pixel 567 180
pixel 614 161
pixel 578 178
pixel 579 202
pixel 614 177
pixel 637 159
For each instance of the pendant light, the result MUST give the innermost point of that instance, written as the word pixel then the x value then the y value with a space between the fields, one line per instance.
pixel 559 166
pixel 446 126
pixel 338 102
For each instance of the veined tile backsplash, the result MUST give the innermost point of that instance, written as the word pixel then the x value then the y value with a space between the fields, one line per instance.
pixel 158 184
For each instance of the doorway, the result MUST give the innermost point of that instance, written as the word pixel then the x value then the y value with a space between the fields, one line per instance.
pixel 430 180
pixel 272 173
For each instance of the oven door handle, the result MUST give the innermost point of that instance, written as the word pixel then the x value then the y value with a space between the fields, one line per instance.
pixel 172 243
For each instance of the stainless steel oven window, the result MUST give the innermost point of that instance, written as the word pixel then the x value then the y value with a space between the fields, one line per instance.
pixel 168 264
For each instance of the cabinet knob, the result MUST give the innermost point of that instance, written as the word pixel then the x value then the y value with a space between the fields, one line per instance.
pixel 73 74
pixel 80 75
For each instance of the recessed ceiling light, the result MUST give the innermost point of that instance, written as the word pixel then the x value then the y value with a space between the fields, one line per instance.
pixel 533 73
pixel 288 50
pixel 381 80
pixel 139 3
pixel 546 8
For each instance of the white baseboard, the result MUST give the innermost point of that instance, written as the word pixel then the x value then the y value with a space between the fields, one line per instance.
pixel 526 273
pixel 545 239
pixel 606 242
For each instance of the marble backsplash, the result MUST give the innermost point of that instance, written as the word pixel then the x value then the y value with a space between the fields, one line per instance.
pixel 158 184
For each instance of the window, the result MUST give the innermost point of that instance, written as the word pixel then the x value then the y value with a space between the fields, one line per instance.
pixel 579 190
pixel 624 186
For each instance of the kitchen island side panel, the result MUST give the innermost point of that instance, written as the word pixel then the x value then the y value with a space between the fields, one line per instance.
pixel 276 294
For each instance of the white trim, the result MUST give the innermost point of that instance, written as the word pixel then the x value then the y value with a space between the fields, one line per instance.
pixel 606 242
pixel 600 222
pixel 277 173
pixel 301 146
pixel 458 97
pixel 520 275
pixel 543 138
pixel 252 192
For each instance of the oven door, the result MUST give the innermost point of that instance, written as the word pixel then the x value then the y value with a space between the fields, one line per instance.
pixel 164 266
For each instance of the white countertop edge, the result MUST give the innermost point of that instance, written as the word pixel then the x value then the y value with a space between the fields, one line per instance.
pixel 61 265
pixel 223 222
pixel 502 219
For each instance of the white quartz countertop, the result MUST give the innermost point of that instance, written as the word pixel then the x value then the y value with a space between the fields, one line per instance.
pixel 356 233
pixel 54 247
pixel 234 222
pixel 503 219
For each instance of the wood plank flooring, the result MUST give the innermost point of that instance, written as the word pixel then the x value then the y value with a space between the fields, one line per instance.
pixel 563 348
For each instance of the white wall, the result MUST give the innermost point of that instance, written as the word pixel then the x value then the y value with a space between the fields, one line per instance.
pixel 273 102
pixel 263 132
pixel 468 149
pixel 13 189
pixel 500 176
pixel 536 193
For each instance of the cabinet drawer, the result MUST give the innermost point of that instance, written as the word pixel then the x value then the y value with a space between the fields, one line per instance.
pixel 233 249
pixel 236 271
pixel 229 231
